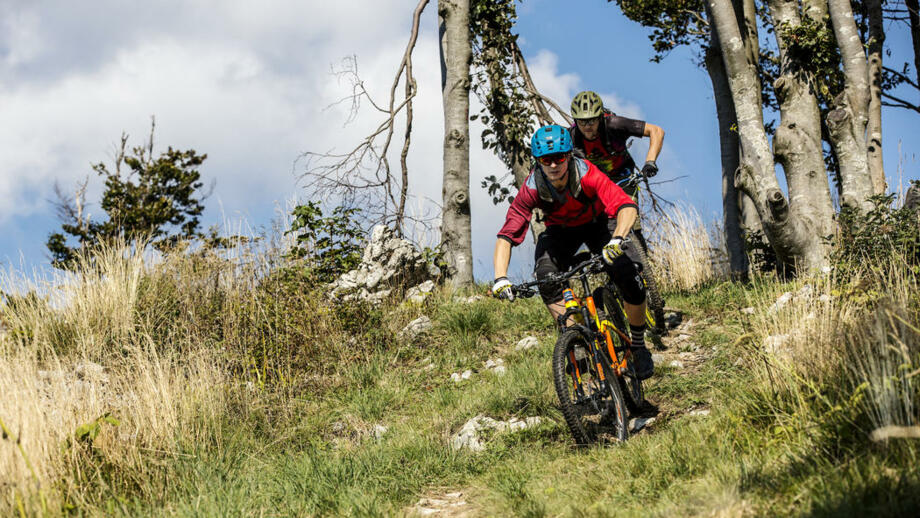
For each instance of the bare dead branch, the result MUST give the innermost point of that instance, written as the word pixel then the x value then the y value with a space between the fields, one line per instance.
pixel 539 100
pixel 899 103
pixel 362 176
pixel 70 208
pixel 901 77
pixel 703 22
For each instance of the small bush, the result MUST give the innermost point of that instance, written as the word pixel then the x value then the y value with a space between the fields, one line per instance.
pixel 330 245
pixel 883 234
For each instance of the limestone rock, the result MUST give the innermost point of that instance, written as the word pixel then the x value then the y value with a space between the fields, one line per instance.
pixel 457 377
pixel 418 326
pixel 471 437
pixel 90 371
pixel 419 293
pixel 781 301
pixel 471 299
pixel 388 262
pixel 778 346
pixel 497 366
pixel 527 342
pixel 639 423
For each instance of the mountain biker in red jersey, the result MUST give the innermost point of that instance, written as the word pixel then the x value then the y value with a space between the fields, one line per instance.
pixel 604 145
pixel 580 205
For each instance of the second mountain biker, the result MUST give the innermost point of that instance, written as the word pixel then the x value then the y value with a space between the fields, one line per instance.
pixel 600 136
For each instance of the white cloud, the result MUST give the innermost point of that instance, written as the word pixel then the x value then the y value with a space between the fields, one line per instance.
pixel 249 84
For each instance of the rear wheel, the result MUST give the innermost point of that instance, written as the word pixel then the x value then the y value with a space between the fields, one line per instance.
pixel 594 409
pixel 654 315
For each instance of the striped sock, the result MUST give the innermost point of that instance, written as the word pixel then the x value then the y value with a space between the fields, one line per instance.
pixel 637 335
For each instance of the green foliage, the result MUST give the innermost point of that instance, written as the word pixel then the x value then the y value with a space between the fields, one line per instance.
pixel 673 22
pixel 811 50
pixel 330 244
pixel 878 236
pixel 507 111
pixel 88 432
pixel 499 192
pixel 156 199
pixel 435 256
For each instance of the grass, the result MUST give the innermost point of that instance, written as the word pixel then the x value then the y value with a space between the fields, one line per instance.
pixel 242 398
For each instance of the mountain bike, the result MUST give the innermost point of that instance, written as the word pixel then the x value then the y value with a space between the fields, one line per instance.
pixel 592 360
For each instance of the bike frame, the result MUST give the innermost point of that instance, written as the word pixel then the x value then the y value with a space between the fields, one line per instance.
pixel 597 334
pixel 596 331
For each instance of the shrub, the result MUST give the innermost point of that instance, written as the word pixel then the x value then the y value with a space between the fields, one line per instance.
pixel 877 237
pixel 331 245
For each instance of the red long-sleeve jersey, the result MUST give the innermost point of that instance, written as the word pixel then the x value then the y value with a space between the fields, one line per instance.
pixel 588 194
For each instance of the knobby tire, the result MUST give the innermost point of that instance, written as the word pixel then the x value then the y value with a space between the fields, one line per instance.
pixel 652 295
pixel 601 413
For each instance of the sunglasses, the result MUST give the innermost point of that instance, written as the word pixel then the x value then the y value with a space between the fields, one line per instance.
pixel 554 159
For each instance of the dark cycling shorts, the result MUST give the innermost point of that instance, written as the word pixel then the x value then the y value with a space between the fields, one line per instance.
pixel 556 248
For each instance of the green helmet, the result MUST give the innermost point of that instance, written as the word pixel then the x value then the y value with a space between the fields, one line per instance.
pixel 587 105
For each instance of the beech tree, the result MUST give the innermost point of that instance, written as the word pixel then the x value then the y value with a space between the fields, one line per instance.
pixel 824 82
pixel 456 56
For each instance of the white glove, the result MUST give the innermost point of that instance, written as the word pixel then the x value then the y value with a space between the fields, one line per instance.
pixel 502 289
pixel 612 250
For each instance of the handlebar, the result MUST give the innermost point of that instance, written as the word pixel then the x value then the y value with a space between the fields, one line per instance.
pixel 633 178
pixel 528 289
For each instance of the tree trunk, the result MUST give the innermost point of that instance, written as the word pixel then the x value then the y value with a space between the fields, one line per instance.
pixel 456 55
pixel 790 239
pixel 728 143
pixel 913 13
pixel 847 121
pixel 874 125
pixel 746 14
pixel 814 9
pixel 797 142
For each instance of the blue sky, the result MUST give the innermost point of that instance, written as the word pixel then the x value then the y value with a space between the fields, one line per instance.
pixel 251 86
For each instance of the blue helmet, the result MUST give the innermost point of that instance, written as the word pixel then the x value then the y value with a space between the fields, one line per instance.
pixel 549 140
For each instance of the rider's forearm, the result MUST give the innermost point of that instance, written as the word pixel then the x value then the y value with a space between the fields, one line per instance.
pixel 502 257
pixel 656 137
pixel 625 220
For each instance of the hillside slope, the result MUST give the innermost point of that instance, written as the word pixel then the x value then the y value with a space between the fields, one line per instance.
pixel 211 396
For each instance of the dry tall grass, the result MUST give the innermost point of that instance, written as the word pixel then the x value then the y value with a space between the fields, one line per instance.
pixel 76 348
pixel 684 255
pixel 860 336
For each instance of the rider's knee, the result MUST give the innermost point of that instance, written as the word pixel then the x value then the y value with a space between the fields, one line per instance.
pixel 625 275
pixel 550 293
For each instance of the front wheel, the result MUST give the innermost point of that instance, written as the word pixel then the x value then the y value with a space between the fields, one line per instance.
pixel 591 401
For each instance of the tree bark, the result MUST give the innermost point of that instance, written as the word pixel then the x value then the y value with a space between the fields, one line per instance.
pixel 797 142
pixel 756 177
pixel 814 9
pixel 730 150
pixel 913 14
pixel 456 56
pixel 847 121
pixel 874 124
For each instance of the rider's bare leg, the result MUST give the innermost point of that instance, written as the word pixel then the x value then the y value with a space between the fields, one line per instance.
pixel 556 309
pixel 635 313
